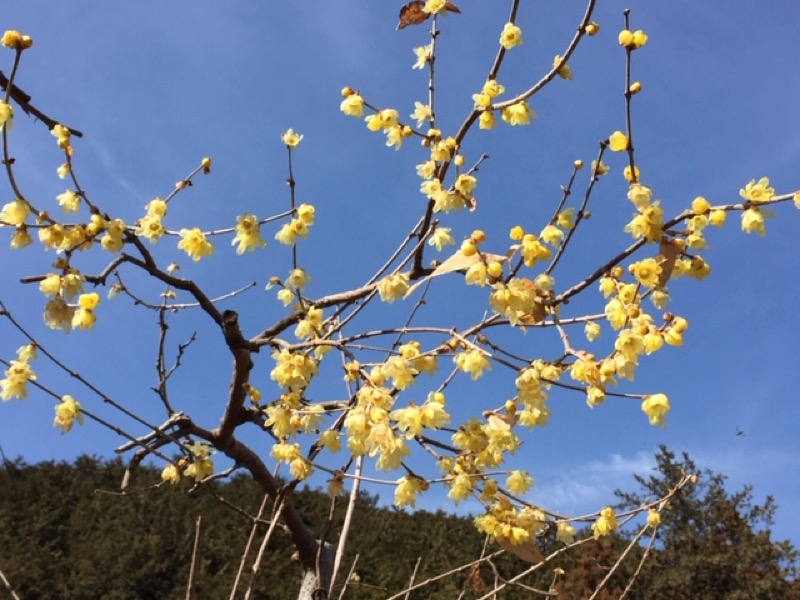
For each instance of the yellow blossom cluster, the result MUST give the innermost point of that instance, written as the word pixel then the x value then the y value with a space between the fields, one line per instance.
pixel 531 384
pixel 84 316
pixel 310 326
pixel 632 40
pixel 293 370
pixel 15 40
pixel 150 226
pixel 18 374
pixel 202 465
pixel 298 226
pixel 473 362
pixel 491 89
pixel 386 120
pixel 507 523
pixel 370 431
pixel 647 223
pixel 413 419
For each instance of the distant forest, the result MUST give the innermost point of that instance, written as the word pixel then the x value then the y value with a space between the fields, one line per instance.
pixel 64 536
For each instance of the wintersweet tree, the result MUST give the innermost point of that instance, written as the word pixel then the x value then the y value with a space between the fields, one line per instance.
pixel 433 366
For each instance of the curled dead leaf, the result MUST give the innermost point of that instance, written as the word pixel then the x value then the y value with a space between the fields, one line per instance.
pixel 412 13
pixel 668 252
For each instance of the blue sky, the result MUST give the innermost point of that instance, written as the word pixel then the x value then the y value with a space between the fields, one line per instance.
pixel 157 86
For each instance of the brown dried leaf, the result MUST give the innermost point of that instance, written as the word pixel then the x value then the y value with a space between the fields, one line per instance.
pixel 457 262
pixel 412 13
pixel 529 551
pixel 667 255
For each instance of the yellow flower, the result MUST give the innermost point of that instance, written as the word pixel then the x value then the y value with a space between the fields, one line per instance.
pixel 440 238
pixel 653 518
pixel 150 228
pixel 565 533
pixel 625 38
pixel 195 244
pixel 422 112
pixel 592 330
pixel 551 235
pixel 6 115
pixel 423 54
pixel 66 413
pixel 518 114
pixel 700 205
pixel 563 71
pixel 473 362
pixel 248 233
pixel 434 6
pixel 72 283
pixel 605 524
pixel 15 40
pixel 57 314
pixel 476 275
pixel 305 212
pixel 206 165
pixel 171 474
pixel 639 38
pixel 291 139
pixel 717 217
pixel 618 141
pixel 492 89
pixel 63 171
pixel 757 192
pixel 17 375
pixel 487 120
pixel 647 272
pixel 20 238
pixel 510 36
pixel 592 29
pixel 200 469
pixel 15 212
pixel 393 287
pixel 599 168
pixel 519 482
pixel 407 490
pixel 352 105
pixel 753 221
pixel 460 487
pixel 595 396
pixel 84 317
pixel 566 218
pixel 656 408
pixel 50 285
